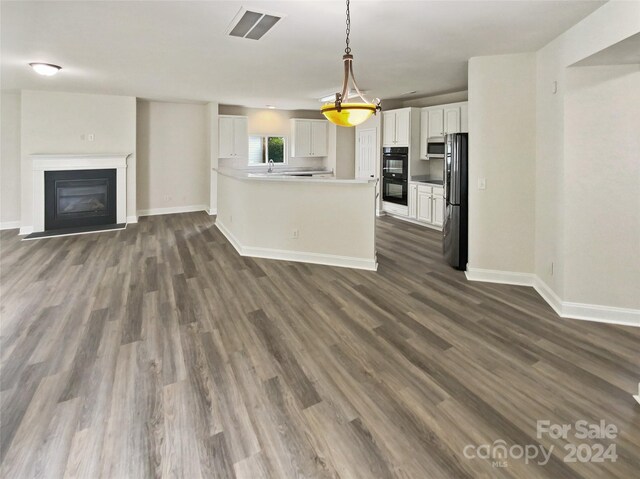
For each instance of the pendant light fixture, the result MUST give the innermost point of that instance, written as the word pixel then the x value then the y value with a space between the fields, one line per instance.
pixel 349 113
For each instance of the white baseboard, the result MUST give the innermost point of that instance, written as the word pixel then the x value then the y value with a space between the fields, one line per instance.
pixel 172 210
pixel 411 220
pixel 298 256
pixel 212 212
pixel 9 225
pixel 495 276
pixel 74 234
pixel 132 219
pixel 564 309
pixel 25 230
pixel 602 314
pixel 548 295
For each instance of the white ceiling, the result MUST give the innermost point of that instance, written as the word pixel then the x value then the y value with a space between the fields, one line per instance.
pixel 179 50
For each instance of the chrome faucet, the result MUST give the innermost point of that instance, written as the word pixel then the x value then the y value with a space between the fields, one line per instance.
pixel 270 170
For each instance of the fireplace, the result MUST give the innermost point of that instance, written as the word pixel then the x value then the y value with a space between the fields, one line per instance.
pixel 79 198
pixel 72 199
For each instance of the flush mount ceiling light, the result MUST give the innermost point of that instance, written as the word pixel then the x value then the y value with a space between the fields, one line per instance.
pixel 46 69
pixel 349 114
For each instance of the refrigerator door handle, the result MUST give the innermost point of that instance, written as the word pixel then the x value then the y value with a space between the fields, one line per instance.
pixel 447 162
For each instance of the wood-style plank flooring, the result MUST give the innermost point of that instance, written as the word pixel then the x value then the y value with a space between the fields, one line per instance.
pixel 158 351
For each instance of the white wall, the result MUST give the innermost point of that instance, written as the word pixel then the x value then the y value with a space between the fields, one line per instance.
pixel 335 221
pixel 212 127
pixel 607 26
pixel 173 157
pixel 345 152
pixel 55 122
pixel 601 248
pixel 586 165
pixel 10 161
pixel 502 150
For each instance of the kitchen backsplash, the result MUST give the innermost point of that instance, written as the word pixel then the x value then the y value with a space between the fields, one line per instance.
pixel 436 169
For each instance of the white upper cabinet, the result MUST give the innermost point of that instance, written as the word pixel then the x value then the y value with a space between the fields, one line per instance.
pixel 319 138
pixel 403 128
pixel 424 133
pixel 464 117
pixel 437 121
pixel 452 120
pixel 301 144
pixel 396 127
pixel 435 118
pixel 233 137
pixel 309 138
pixel 389 128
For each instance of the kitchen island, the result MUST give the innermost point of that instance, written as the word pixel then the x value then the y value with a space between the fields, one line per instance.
pixel 314 219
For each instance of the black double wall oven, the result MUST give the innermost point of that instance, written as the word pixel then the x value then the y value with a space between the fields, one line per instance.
pixel 395 166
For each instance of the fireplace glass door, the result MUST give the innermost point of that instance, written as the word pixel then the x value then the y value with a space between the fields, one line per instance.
pixel 79 198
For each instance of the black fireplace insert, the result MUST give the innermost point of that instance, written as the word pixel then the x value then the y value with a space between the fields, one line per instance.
pixel 79 198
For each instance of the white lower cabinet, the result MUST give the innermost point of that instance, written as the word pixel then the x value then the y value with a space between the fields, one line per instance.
pixel 412 200
pixel 426 204
pixel 438 209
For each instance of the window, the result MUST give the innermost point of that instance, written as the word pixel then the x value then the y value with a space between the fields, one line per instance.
pixel 265 148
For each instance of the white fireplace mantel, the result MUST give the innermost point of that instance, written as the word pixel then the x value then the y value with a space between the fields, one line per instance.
pixel 48 162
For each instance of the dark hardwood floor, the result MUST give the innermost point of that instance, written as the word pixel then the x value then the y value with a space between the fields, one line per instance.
pixel 158 351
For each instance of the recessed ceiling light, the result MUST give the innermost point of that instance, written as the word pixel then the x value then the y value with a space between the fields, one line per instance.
pixel 46 69
pixel 271 107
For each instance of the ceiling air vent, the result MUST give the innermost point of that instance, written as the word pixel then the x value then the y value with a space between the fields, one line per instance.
pixel 252 24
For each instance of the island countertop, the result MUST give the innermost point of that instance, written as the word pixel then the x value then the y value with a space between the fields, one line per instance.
pixel 291 175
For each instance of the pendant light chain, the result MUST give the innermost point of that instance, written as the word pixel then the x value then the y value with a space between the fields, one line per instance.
pixel 348 49
pixel 349 113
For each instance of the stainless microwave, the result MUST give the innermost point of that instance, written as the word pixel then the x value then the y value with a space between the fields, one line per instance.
pixel 435 150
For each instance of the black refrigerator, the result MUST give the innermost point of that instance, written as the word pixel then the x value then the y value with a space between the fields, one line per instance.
pixel 456 204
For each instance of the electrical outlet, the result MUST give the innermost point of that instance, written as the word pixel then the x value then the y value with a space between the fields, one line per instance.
pixel 482 183
pixel 552 268
pixel 295 233
pixel 91 137
pixel 230 219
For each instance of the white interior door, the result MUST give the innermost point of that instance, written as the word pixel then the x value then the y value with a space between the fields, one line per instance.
pixel 366 165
